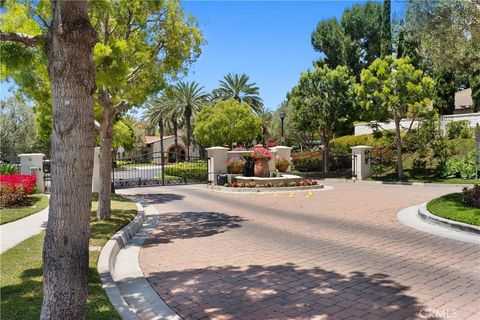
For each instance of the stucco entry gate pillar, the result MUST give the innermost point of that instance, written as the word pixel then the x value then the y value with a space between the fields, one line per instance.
pixel 361 162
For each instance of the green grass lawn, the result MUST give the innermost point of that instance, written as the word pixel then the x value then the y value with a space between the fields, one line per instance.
pixel 451 207
pixel 38 202
pixel 21 281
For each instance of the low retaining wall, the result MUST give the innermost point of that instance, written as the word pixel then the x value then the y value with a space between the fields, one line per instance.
pixel 429 217
pixel 472 118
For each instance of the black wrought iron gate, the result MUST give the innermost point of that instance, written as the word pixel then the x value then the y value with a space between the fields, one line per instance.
pixel 152 169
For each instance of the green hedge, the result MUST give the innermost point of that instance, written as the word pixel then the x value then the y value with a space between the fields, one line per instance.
pixel 189 171
pixel 343 144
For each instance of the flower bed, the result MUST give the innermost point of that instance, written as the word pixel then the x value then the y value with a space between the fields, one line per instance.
pixel 281 184
pixel 14 189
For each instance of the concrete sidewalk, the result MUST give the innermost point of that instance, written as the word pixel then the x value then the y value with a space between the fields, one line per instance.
pixel 15 232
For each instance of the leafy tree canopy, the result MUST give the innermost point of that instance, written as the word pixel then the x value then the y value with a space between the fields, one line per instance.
pixel 394 89
pixel 123 135
pixel 355 41
pixel 140 43
pixel 323 101
pixel 226 123
pixel 16 122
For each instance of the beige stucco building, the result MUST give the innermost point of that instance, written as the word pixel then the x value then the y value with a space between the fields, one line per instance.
pixel 463 101
pixel 152 145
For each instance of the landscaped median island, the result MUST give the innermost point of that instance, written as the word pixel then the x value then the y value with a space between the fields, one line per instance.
pixel 21 281
pixel 462 207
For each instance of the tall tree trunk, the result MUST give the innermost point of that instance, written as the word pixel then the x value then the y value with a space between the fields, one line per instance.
pixel 326 154
pixel 398 142
pixel 105 183
pixel 161 128
pixel 188 119
pixel 65 254
pixel 175 137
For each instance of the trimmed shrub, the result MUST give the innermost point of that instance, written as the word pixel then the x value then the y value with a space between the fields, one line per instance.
pixel 14 189
pixel 189 171
pixel 307 161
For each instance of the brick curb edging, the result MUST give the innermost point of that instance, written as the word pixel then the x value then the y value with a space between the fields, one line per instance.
pixel 427 216
pixel 144 301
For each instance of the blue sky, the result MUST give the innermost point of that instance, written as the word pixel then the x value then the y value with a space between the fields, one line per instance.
pixel 268 40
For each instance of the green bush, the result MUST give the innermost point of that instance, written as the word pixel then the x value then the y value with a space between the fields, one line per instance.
pixel 455 129
pixel 379 139
pixel 463 167
pixel 189 171
pixel 343 144
pixel 307 161
pixel 8 169
pixel 419 165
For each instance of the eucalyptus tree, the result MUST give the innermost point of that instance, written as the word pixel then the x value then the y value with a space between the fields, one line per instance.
pixel 60 42
pixel 188 99
pixel 237 87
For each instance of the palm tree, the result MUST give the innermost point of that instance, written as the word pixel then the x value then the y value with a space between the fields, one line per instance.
pixel 265 118
pixel 161 111
pixel 188 99
pixel 235 86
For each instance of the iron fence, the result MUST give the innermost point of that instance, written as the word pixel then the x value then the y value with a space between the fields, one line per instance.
pixel 312 166
pixel 159 169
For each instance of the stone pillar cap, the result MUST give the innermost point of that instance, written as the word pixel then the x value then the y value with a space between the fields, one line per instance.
pixel 216 148
pixel 31 154
pixel 361 147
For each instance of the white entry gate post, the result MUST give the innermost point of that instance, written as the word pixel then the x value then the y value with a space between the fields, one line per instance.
pixel 361 162
pixel 32 163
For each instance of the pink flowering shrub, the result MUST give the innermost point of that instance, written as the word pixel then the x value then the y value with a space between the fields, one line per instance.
pixel 261 153
pixel 14 188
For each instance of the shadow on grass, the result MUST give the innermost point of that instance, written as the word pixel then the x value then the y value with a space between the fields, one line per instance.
pixel 186 225
pixel 283 292
pixel 24 299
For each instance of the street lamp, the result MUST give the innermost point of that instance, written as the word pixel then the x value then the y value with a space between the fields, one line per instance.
pixel 282 117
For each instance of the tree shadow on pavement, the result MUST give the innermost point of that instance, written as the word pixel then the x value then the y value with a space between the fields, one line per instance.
pixel 160 198
pixel 283 292
pixel 186 225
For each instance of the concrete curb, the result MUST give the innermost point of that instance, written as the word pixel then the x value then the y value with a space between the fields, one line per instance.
pixel 107 259
pixel 271 190
pixel 121 274
pixel 410 217
pixel 429 217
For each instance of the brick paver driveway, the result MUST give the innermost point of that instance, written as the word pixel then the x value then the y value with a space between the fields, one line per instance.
pixel 340 254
